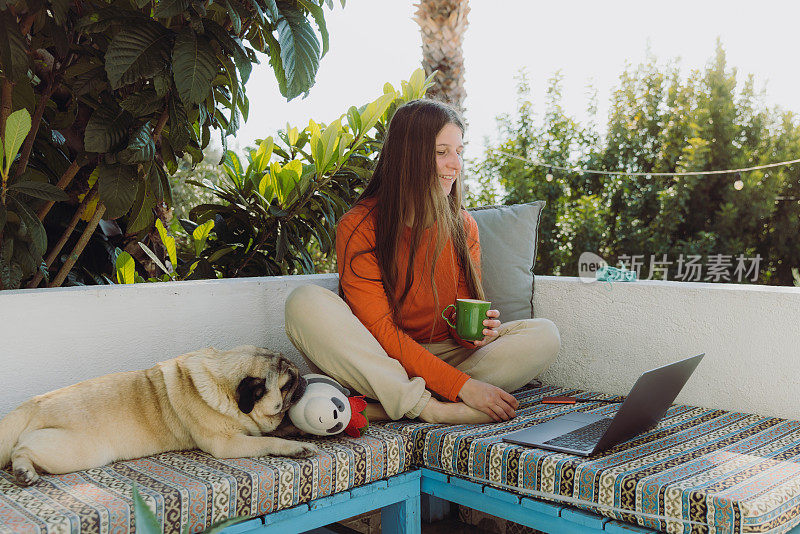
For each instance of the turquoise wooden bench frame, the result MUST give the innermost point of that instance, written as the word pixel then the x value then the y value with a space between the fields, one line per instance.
pixel 398 497
pixel 544 516
pixel 402 497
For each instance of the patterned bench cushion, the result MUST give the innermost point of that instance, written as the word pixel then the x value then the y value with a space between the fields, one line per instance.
pixel 735 471
pixel 194 489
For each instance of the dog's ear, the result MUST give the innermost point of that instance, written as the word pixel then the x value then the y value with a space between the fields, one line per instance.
pixel 248 393
pixel 295 384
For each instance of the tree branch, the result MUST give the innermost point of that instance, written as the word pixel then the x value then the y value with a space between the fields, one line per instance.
pixel 76 252
pixel 27 146
pixel 62 184
pixel 56 250
pixel 5 104
pixel 162 120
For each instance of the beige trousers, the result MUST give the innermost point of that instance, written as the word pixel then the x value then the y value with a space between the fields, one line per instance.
pixel 334 342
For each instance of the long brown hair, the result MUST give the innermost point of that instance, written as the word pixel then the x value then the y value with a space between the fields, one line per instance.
pixel 406 182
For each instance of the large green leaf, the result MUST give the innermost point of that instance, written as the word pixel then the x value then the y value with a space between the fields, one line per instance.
pixel 137 51
pixel 354 120
pixel 141 103
pixel 162 83
pixel 233 84
pixel 141 147
pixel 13 55
pixel 299 52
pixel 272 10
pixel 23 96
pixel 141 217
pixel 200 235
pixel 126 271
pixel 40 190
pixel 244 106
pixel 169 8
pixel 18 125
pixel 92 80
pixel 168 155
pixel 100 20
pixel 263 155
pixel 179 125
pixel 168 241
pixel 233 46
pixel 330 140
pixel 106 129
pixel 24 257
pixel 117 186
pixel 319 17
pixel 285 178
pixel 159 184
pixel 34 226
pixel 52 159
pixel 194 66
pixel 236 20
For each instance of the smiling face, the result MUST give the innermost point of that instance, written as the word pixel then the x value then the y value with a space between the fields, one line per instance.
pixel 449 145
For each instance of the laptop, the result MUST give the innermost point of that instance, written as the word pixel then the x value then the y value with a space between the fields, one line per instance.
pixel 584 434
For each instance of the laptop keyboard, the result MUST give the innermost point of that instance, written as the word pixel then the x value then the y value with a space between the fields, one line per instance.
pixel 583 438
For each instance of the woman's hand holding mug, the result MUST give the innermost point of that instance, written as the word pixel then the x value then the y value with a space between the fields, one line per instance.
pixel 474 320
pixel 490 333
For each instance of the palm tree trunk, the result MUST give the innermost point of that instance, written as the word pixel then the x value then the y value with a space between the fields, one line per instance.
pixel 442 25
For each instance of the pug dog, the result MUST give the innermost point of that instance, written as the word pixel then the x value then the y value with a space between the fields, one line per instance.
pixel 224 403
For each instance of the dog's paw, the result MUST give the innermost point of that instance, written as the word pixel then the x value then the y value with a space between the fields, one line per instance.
pixel 25 477
pixel 302 450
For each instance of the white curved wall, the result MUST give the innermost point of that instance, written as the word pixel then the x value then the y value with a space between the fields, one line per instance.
pixel 51 338
pixel 750 334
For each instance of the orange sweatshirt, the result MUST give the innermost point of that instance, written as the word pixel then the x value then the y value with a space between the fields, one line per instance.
pixel 360 277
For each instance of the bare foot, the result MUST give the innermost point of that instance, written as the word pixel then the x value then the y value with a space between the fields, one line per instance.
pixel 454 413
pixel 375 412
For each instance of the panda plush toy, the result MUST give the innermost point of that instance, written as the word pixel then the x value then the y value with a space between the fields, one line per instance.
pixel 326 409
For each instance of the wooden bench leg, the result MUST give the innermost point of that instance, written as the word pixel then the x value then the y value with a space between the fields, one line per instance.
pixel 434 509
pixel 402 517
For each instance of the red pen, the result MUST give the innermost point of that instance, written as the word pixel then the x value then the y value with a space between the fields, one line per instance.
pixel 573 400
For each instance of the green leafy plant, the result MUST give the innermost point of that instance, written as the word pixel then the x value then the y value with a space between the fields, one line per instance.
pixel 25 238
pixel 796 276
pixel 279 207
pixel 125 264
pixel 286 198
pixel 659 122
pixel 148 523
pixel 120 90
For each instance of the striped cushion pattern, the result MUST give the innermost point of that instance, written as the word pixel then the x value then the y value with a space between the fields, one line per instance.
pixel 701 468
pixel 193 489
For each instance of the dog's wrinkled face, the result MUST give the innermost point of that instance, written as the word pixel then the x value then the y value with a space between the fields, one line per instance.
pixel 271 388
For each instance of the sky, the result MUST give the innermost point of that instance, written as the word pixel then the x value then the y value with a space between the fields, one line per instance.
pixel 375 41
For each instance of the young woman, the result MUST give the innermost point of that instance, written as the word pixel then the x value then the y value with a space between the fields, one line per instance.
pixel 405 251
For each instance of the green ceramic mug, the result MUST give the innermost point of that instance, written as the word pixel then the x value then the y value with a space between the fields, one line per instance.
pixel 470 314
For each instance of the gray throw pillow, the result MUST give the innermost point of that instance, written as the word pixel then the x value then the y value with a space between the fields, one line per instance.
pixel 509 236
